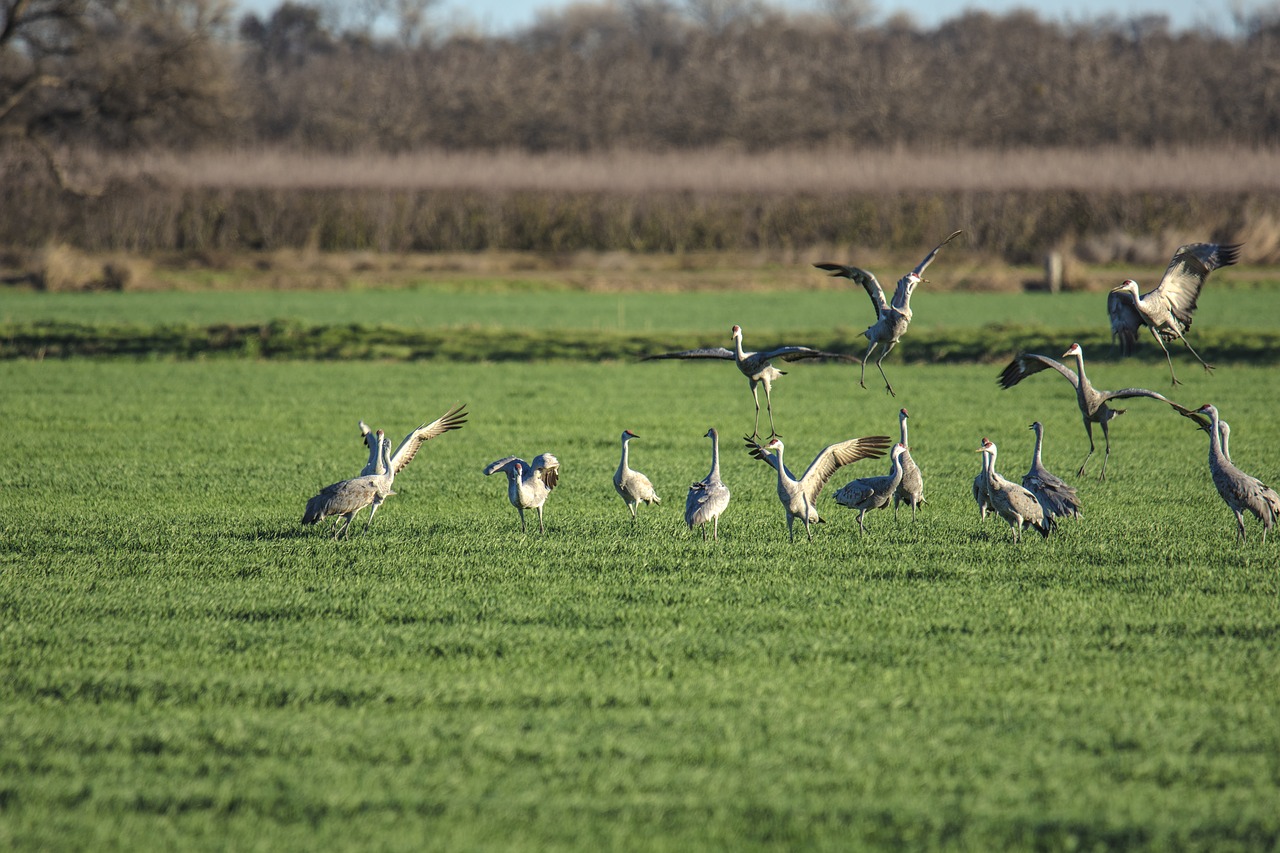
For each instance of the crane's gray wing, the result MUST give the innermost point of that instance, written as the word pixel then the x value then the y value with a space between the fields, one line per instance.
pixel 903 291
pixel 504 464
pixel 450 420
pixel 705 352
pixel 1187 273
pixel 759 451
pixel 1126 393
pixel 1126 322
pixel 864 278
pixel 1028 363
pixel 547 467
pixel 795 353
pixel 836 456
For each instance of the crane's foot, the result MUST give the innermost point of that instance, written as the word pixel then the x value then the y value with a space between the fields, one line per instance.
pixel 1208 368
pixel 889 388
pixel 1175 383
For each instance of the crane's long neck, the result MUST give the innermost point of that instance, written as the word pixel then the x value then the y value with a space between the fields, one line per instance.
pixel 783 479
pixel 738 351
pixel 622 466
pixel 903 423
pixel 1039 444
pixel 897 471
pixel 991 463
pixel 1216 453
pixel 1084 381
pixel 715 458
pixel 384 468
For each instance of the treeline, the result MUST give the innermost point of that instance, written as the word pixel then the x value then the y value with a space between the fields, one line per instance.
pixel 645 74
pixel 622 74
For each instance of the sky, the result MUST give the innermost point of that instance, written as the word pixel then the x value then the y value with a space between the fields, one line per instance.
pixel 500 16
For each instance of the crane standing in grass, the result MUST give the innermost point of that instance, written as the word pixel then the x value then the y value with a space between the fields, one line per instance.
pixel 1057 498
pixel 756 367
pixel 799 496
pixel 632 486
pixel 1012 502
pixel 528 484
pixel 872 492
pixel 892 318
pixel 1092 402
pixel 1167 308
pixel 708 498
pixel 347 497
pixel 911 489
pixel 1240 491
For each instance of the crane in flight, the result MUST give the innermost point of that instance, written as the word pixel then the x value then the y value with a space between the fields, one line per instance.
pixel 1094 408
pixel 756 366
pixel 892 318
pixel 1168 307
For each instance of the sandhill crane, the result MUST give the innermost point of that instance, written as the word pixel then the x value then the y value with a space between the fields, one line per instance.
pixel 1012 502
pixel 892 318
pixel 1092 402
pixel 633 487
pixel 528 484
pixel 347 497
pixel 1167 308
pixel 403 455
pixel 1240 491
pixel 873 492
pixel 755 366
pixel 911 490
pixel 800 496
pixel 708 497
pixel 1054 495
pixel 982 491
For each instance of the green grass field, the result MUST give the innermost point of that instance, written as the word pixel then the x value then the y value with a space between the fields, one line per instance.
pixel 535 308
pixel 186 666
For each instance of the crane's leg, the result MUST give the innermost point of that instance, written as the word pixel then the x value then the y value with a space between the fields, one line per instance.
pixel 1088 427
pixel 1106 449
pixel 373 510
pixel 1207 366
pixel 913 512
pixel 895 507
pixel 862 375
pixel 768 402
pixel 541 529
pixel 755 432
pixel 887 350
pixel 791 532
pixel 703 526
pixel 346 528
pixel 632 507
pixel 715 529
pixel 861 514
pixel 1167 357
pixel 520 510
pixel 1240 525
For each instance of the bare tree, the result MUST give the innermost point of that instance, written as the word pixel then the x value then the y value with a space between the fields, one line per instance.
pixel 111 74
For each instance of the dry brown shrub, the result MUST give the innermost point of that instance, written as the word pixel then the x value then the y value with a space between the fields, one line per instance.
pixel 60 268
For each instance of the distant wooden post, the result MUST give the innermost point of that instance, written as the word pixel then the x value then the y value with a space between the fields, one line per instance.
pixel 1053 271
